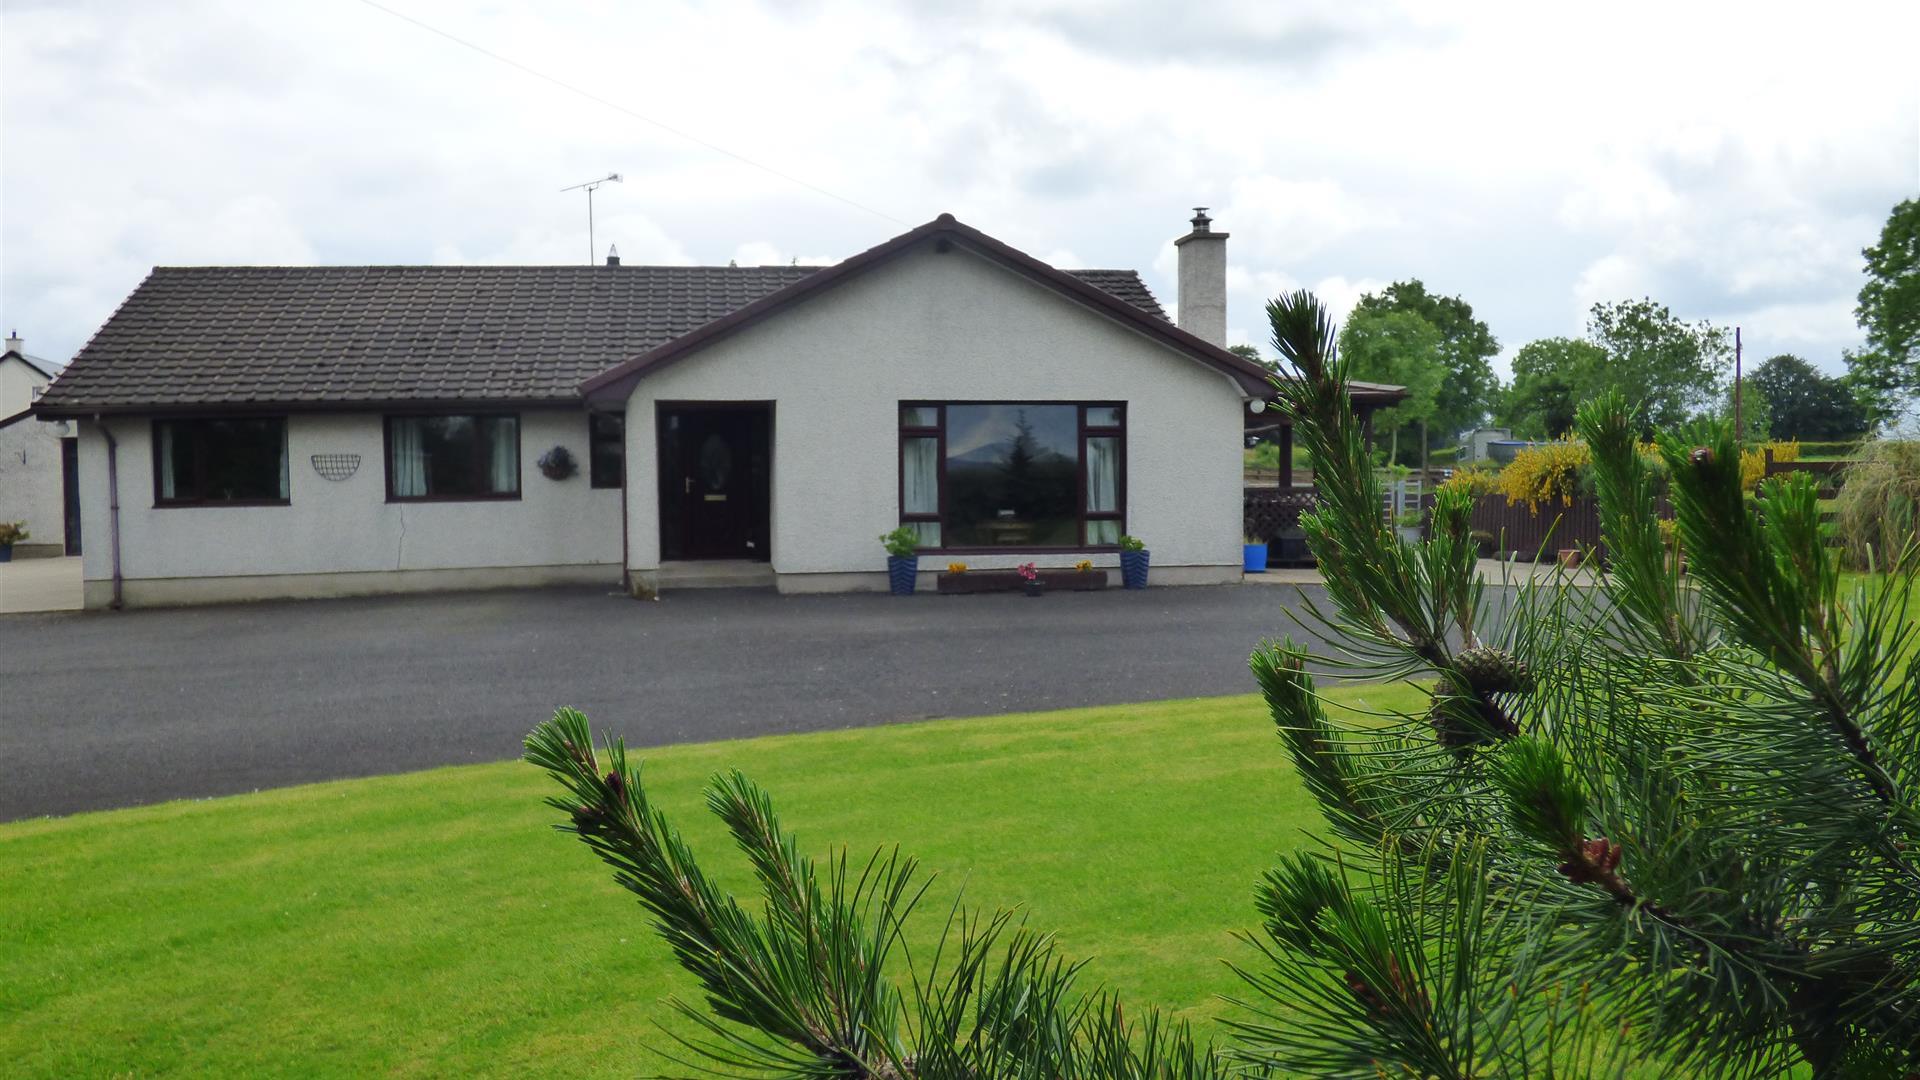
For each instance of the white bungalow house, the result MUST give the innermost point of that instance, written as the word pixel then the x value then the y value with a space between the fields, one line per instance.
pixel 252 432
pixel 36 458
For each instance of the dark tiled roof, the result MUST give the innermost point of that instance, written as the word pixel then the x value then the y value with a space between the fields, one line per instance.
pixel 340 335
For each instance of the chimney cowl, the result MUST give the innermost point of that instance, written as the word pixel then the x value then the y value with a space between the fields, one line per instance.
pixel 613 254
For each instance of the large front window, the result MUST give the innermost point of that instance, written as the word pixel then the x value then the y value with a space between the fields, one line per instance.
pixel 220 462
pixel 987 475
pixel 453 457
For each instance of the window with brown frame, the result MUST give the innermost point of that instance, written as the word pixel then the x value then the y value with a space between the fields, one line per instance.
pixel 1012 475
pixel 606 449
pixel 448 457
pixel 220 461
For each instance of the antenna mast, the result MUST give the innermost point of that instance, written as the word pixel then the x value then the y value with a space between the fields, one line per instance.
pixel 588 187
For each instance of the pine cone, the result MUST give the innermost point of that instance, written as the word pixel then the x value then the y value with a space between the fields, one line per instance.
pixel 1451 715
pixel 1493 671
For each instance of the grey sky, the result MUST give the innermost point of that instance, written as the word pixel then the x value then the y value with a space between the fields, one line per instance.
pixel 1730 160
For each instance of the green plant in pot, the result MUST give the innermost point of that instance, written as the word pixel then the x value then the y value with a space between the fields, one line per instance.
pixel 11 533
pixel 903 559
pixel 1134 558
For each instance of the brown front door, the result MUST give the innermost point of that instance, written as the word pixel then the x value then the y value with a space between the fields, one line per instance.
pixel 715 481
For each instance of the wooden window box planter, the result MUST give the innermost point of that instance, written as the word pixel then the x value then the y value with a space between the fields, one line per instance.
pixel 987 581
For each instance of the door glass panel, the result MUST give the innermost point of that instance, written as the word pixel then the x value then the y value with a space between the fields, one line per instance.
pixel 716 462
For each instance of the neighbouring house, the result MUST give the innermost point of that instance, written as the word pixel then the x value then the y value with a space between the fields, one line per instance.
pixel 1480 444
pixel 251 432
pixel 36 458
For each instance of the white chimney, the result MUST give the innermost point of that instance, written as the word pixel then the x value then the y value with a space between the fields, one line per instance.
pixel 1202 304
pixel 14 344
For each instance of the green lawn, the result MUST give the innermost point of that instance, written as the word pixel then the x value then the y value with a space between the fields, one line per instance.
pixel 431 924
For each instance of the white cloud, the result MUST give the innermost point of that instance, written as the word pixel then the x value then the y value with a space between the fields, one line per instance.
pixel 1532 158
pixel 764 253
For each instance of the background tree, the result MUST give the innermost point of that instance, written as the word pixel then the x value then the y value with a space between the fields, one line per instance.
pixel 1550 377
pixel 1401 348
pixel 1668 369
pixel 1470 390
pixel 1805 402
pixel 1889 309
pixel 1753 413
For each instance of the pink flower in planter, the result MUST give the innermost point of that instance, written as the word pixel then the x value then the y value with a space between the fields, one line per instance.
pixel 1028 572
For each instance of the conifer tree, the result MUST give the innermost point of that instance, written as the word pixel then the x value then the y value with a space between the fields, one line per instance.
pixel 1662 826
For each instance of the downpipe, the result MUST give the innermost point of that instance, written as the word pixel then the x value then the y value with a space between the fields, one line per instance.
pixel 113 504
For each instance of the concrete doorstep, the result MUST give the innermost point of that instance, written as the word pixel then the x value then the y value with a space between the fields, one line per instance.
pixel 28 585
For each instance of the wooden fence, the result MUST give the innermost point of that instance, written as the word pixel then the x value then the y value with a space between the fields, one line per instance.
pixel 1528 533
pixel 1271 511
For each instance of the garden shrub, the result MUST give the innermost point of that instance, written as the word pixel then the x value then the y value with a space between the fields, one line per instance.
pixel 1543 473
pixel 1878 497
pixel 1475 480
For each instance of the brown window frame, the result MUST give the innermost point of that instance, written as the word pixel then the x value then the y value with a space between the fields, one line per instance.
pixel 161 502
pixel 939 431
pixel 594 476
pixel 519 434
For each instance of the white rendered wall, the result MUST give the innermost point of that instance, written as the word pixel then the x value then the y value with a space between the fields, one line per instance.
pixel 952 326
pixel 30 483
pixel 18 381
pixel 346 527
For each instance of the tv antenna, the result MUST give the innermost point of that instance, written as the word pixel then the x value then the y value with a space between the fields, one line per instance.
pixel 589 186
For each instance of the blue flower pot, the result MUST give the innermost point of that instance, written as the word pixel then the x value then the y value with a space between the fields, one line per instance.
pixel 902 571
pixel 1254 558
pixel 6 552
pixel 1133 569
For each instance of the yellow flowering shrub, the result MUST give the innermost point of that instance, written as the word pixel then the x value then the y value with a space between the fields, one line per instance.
pixel 1085 566
pixel 1546 472
pixel 956 568
pixel 1753 463
pixel 1475 480
pixel 1753 469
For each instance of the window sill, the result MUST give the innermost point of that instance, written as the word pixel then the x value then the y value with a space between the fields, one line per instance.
pixel 214 504
pixel 1015 550
pixel 406 499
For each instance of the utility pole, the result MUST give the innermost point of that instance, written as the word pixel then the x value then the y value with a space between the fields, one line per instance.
pixel 1739 423
pixel 589 186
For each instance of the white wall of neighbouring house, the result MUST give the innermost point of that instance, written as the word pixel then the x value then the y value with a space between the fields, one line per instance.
pixel 342 537
pixel 18 381
pixel 948 326
pixel 30 479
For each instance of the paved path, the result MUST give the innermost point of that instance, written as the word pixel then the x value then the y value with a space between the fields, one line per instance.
pixel 101 710
pixel 40 585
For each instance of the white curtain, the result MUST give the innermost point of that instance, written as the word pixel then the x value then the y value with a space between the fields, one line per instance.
pixel 920 476
pixel 1103 474
pixel 409 460
pixel 166 461
pixel 1103 488
pixel 506 455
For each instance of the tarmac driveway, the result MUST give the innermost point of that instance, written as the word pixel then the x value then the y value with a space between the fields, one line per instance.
pixel 101 710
